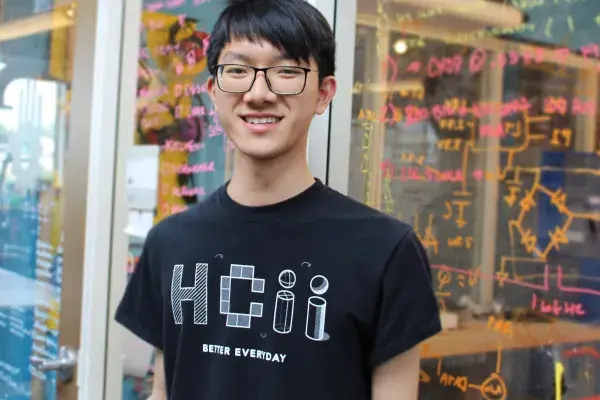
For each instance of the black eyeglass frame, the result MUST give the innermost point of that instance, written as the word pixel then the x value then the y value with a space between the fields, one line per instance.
pixel 264 70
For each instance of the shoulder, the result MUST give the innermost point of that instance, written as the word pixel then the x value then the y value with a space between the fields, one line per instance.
pixel 366 218
pixel 182 223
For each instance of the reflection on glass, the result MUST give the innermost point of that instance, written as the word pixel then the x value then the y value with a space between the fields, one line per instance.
pixel 180 153
pixel 36 44
pixel 479 126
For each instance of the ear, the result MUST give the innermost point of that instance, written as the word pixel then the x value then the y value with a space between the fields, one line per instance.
pixel 211 87
pixel 326 93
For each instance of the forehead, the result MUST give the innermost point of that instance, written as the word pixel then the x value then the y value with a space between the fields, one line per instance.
pixel 253 53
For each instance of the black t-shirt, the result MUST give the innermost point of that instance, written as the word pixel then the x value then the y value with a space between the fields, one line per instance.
pixel 297 300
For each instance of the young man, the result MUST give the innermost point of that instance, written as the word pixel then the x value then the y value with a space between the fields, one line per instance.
pixel 276 287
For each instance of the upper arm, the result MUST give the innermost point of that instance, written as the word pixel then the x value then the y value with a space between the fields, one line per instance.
pixel 407 315
pixel 159 390
pixel 398 378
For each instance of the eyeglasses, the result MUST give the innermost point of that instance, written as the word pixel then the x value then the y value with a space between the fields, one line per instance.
pixel 282 80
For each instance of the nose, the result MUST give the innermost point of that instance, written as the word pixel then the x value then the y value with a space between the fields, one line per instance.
pixel 260 92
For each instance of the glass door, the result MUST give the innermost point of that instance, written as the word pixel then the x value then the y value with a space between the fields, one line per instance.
pixel 45 62
pixel 172 151
pixel 36 47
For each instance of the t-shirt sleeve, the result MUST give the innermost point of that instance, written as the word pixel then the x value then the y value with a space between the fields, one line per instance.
pixel 408 312
pixel 140 309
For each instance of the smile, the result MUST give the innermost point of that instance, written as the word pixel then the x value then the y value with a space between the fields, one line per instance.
pixel 261 121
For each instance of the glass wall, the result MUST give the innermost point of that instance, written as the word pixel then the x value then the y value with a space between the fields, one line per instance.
pixel 178 153
pixel 36 71
pixel 477 122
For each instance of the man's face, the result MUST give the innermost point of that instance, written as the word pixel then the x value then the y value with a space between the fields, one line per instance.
pixel 261 123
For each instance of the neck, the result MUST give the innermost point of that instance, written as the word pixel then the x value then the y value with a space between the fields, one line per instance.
pixel 263 182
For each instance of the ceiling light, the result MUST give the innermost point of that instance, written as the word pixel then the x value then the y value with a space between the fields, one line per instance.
pixel 400 47
pixel 71 11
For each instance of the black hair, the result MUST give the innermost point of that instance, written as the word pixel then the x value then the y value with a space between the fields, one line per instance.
pixel 295 27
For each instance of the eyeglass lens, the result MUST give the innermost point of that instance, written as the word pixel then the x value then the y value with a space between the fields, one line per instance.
pixel 282 80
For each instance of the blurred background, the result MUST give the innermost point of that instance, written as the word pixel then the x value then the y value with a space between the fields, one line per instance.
pixel 474 120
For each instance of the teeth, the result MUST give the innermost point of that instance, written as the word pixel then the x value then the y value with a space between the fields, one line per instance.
pixel 268 120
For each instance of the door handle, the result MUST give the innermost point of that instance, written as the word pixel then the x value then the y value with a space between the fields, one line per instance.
pixel 64 364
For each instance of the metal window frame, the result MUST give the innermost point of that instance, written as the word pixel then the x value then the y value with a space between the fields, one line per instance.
pixel 338 167
pixel 127 87
pixel 91 154
pixel 319 132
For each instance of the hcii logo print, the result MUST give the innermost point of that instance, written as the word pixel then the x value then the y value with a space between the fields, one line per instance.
pixel 285 300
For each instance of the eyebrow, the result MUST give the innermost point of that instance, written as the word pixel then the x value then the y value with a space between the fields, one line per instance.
pixel 234 56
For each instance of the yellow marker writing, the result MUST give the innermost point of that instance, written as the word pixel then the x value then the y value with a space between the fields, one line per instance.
pixel 559 369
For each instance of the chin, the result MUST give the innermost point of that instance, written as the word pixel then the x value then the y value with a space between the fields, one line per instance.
pixel 260 147
pixel 269 145
pixel 261 153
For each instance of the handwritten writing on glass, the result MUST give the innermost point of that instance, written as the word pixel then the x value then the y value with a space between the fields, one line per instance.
pixel 479 58
pixel 557 307
pixel 164 5
pixel 500 325
pixel 187 169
